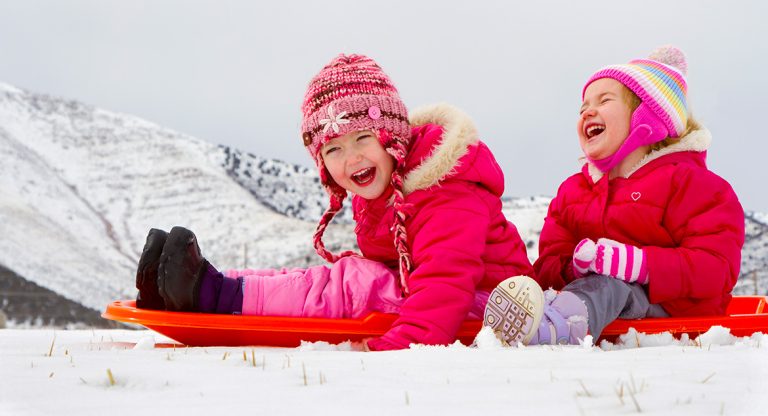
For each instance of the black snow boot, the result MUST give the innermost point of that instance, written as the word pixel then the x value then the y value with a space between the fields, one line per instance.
pixel 181 269
pixel 146 274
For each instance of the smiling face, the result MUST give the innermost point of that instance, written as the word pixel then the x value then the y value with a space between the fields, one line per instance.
pixel 358 163
pixel 604 118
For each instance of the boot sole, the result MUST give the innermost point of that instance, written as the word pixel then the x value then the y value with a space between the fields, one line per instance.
pixel 173 278
pixel 146 274
pixel 178 240
pixel 153 248
pixel 514 310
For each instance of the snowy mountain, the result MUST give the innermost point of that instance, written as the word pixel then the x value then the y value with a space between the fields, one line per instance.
pixel 289 189
pixel 754 256
pixel 80 187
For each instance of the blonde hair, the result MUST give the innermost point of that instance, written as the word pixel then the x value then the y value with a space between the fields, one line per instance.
pixel 633 101
pixel 630 98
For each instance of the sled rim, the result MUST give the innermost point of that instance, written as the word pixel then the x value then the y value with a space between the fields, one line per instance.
pixel 746 315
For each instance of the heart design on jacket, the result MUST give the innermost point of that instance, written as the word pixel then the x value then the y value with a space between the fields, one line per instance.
pixel 635 196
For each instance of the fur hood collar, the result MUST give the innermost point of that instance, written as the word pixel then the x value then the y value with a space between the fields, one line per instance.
pixel 695 141
pixel 459 133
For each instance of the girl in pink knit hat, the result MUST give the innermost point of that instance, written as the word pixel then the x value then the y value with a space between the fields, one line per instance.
pixel 426 201
pixel 645 229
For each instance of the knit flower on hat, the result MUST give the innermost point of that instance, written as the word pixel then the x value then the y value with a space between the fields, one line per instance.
pixel 333 121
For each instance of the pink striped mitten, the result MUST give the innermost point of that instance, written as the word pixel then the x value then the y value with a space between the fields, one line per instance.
pixel 619 260
pixel 583 257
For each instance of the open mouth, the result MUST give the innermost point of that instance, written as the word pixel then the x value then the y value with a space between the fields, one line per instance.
pixel 592 130
pixel 364 177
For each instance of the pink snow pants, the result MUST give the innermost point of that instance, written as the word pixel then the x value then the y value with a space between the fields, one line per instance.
pixel 350 288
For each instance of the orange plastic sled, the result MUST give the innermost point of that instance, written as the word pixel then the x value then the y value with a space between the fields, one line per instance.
pixel 745 316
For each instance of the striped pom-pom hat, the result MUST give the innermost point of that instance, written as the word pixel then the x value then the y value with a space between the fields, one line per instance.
pixel 659 82
pixel 351 93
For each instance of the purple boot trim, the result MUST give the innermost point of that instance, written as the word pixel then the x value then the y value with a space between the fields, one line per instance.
pixel 574 310
pixel 552 320
pixel 219 294
pixel 561 326
pixel 231 296
pixel 565 315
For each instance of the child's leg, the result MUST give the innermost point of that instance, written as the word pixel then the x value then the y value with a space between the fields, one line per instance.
pixel 564 321
pixel 352 287
pixel 235 273
pixel 608 298
pixel 519 312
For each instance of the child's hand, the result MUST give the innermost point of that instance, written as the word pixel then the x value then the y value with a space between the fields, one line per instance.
pixel 584 257
pixel 619 260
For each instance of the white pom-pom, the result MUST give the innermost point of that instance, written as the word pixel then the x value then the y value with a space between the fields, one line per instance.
pixel 671 56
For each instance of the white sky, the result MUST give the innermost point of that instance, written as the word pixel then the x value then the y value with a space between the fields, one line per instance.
pixel 234 72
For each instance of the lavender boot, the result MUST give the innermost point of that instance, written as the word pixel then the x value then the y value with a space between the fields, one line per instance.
pixel 565 320
pixel 514 309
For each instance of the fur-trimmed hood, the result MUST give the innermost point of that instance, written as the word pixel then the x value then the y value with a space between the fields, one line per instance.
pixel 457 236
pixel 695 141
pixel 432 162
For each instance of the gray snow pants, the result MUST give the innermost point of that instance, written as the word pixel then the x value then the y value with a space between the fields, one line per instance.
pixel 608 298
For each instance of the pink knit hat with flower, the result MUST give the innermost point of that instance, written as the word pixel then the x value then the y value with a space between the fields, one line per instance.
pixel 349 94
pixel 659 82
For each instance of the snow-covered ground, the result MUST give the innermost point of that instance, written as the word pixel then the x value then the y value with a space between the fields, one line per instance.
pixel 116 372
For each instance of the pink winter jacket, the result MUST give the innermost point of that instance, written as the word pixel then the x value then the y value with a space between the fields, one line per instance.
pixel 459 238
pixel 687 220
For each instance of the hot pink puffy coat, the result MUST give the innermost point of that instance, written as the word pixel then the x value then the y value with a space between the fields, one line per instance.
pixel 462 246
pixel 459 238
pixel 687 220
